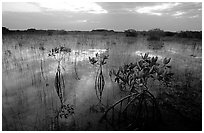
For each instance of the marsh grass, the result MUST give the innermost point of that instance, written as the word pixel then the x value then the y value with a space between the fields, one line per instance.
pixel 75 65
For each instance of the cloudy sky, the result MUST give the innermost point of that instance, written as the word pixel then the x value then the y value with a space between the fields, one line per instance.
pixel 118 16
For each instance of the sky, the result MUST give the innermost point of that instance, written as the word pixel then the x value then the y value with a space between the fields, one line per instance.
pixel 118 16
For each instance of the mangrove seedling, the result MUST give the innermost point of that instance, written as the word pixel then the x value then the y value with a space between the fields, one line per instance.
pixel 99 61
pixel 65 110
pixel 59 54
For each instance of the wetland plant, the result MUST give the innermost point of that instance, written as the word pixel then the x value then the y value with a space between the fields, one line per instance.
pixel 99 61
pixel 75 65
pixel 59 54
pixel 65 110
pixel 42 49
pixel 139 109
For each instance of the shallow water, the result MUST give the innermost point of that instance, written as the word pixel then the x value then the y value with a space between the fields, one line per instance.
pixel 29 97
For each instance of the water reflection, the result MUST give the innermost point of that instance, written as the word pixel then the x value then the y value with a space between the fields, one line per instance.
pixel 151 53
pixel 173 51
pixel 82 55
pixel 33 59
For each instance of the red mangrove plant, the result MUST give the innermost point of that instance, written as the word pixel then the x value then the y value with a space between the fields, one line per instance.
pixel 99 61
pixel 58 54
pixel 139 109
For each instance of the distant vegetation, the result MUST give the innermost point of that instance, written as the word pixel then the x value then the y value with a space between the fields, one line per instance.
pixel 5 30
pixel 131 33
pixel 155 34
pixel 102 30
pixel 190 34
pixel 152 35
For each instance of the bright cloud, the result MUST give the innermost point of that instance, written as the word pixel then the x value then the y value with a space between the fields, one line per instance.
pixel 178 13
pixel 86 7
pixel 156 9
pixel 72 6
pixel 75 15
pixel 81 21
pixel 195 16
pixel 19 7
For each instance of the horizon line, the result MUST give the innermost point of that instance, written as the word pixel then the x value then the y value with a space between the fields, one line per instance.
pixel 98 29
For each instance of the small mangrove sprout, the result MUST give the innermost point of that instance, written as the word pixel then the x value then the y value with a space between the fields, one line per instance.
pixel 65 110
pixel 99 61
pixel 59 54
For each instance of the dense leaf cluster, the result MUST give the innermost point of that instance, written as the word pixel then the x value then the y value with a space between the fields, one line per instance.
pixel 132 76
pixel 59 50
pixel 66 111
pixel 99 59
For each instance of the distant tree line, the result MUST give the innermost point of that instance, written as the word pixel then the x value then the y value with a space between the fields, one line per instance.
pixel 190 34
pixel 5 30
pixel 156 34
pixel 34 31
pixel 131 33
pixel 153 34
pixel 102 30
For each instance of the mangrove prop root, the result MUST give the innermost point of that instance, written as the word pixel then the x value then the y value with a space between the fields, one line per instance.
pixel 99 84
pixel 99 60
pixel 140 105
pixel 60 85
